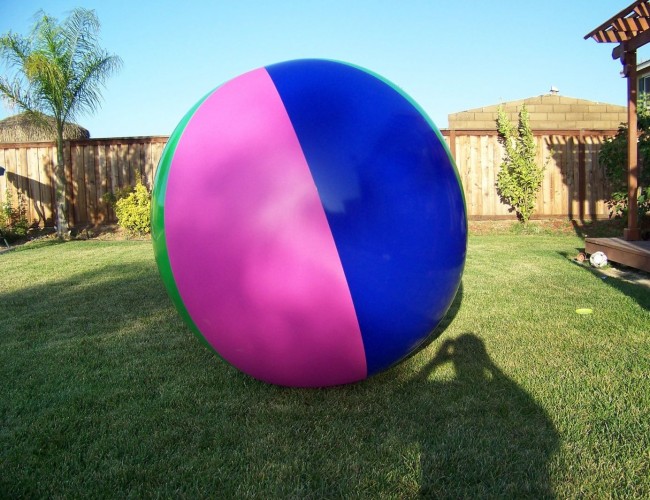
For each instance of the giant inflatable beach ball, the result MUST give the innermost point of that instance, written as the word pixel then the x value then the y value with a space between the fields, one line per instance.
pixel 309 223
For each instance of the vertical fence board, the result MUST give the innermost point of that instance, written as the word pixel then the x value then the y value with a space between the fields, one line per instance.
pixel 132 163
pixel 90 184
pixel 557 155
pixel 79 185
pixel 539 159
pixel 547 178
pixel 572 177
pixel 113 164
pixel 115 173
pixel 5 184
pixel 52 172
pixel 11 182
pixel 465 166
pixel 465 151
pixel 69 183
pixel 45 168
pixel 22 178
pixel 123 159
pixel 567 179
pixel 484 194
pixel 140 165
pixel 588 182
pixel 156 155
pixel 34 207
pixel 102 184
pixel 147 176
pixel 474 174
pixel 3 178
pixel 501 210
pixel 490 177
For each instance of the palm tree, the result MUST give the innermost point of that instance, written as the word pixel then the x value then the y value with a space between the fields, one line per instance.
pixel 59 70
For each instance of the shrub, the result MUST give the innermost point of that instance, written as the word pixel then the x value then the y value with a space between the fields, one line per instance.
pixel 112 196
pixel 6 211
pixel 13 220
pixel 519 178
pixel 133 211
pixel 613 157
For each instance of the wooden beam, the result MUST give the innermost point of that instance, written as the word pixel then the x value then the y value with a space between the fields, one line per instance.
pixel 631 25
pixel 610 36
pixel 632 45
pixel 642 9
pixel 632 233
pixel 582 181
pixel 452 144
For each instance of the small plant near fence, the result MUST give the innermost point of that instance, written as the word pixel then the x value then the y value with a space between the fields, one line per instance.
pixel 519 178
pixel 132 207
pixel 13 219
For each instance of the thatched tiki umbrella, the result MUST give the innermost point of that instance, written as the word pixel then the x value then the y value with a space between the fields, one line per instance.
pixel 37 127
pixel 26 127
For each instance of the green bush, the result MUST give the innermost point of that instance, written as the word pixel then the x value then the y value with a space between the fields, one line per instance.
pixel 13 220
pixel 133 211
pixel 111 197
pixel 6 211
pixel 613 157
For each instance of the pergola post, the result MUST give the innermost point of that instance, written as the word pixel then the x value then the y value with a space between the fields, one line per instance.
pixel 631 233
pixel 630 29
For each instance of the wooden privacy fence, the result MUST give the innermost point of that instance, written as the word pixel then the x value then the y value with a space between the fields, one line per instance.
pixel 574 185
pixel 93 167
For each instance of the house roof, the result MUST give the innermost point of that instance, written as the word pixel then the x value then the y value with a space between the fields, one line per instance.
pixel 546 112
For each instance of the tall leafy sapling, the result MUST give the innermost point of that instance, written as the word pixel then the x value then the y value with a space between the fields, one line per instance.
pixel 519 178
pixel 59 70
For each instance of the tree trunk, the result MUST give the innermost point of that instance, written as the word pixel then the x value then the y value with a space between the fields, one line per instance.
pixel 62 231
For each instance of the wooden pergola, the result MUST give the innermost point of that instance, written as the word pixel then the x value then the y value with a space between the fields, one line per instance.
pixel 630 29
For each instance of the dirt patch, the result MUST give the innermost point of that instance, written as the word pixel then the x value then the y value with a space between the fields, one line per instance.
pixel 594 229
pixel 103 232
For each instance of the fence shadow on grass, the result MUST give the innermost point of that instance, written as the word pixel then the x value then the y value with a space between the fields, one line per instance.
pixel 95 300
pixel 637 292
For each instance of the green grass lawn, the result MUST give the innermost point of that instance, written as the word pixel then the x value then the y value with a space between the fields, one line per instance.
pixel 104 392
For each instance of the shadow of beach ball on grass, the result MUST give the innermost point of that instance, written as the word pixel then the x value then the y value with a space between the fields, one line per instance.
pixel 309 223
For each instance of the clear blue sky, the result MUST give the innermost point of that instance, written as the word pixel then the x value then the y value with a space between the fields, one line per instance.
pixel 448 55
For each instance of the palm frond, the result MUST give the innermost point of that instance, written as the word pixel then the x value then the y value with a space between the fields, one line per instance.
pixel 60 68
pixel 87 89
pixel 16 93
pixel 14 49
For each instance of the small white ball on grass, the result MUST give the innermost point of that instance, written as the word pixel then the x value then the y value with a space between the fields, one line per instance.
pixel 598 259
